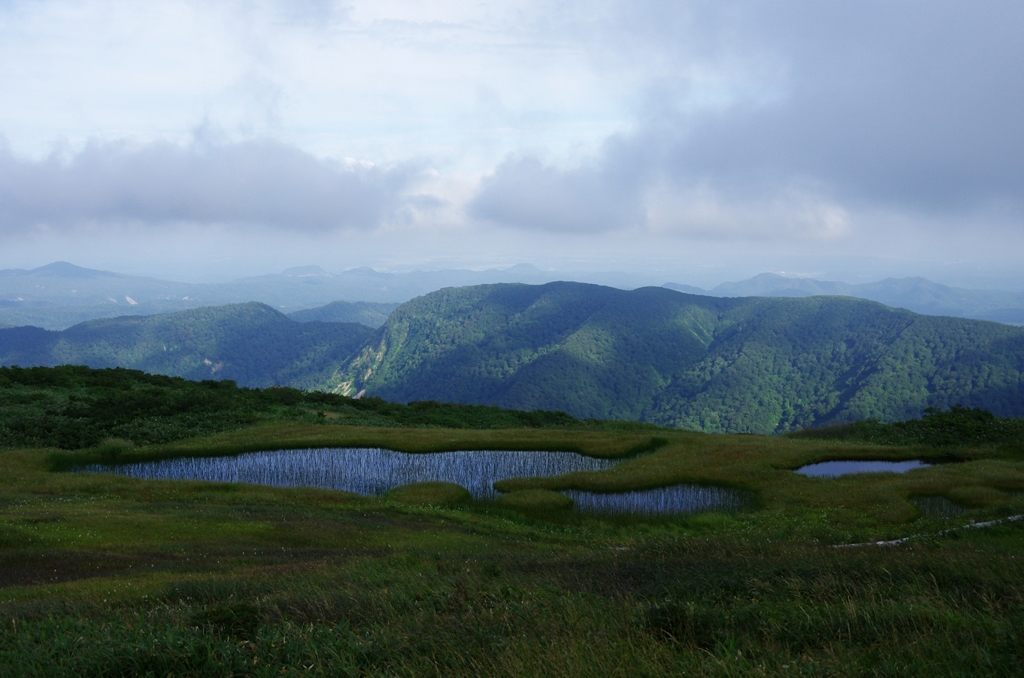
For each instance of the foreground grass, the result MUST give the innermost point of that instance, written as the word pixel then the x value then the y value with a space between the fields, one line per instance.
pixel 104 575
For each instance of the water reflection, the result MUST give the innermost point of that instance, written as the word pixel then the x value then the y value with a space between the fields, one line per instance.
pixel 675 499
pixel 833 469
pixel 368 471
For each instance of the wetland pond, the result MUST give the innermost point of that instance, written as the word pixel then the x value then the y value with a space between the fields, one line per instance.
pixel 834 469
pixel 374 471
pixel 663 500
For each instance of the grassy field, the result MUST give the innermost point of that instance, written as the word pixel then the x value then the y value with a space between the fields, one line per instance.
pixel 106 575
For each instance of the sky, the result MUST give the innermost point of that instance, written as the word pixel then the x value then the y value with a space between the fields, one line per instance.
pixel 698 141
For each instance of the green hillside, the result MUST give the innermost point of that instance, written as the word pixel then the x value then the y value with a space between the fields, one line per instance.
pixel 758 365
pixel 251 344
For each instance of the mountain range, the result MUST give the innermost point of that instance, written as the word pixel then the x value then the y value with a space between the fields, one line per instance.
pixel 747 364
pixel 59 295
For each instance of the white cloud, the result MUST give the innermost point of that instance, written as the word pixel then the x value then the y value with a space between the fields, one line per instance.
pixel 525 193
pixel 257 182
pixel 783 120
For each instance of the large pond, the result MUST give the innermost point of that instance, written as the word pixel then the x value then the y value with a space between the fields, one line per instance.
pixel 368 471
pixel 372 471
pixel 834 469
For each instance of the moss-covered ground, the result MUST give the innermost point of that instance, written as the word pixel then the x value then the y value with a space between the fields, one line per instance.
pixel 107 575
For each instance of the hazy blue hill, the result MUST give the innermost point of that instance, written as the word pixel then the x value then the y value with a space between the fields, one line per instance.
pixel 366 313
pixel 717 364
pixel 250 343
pixel 916 294
pixel 61 316
pixel 59 295
pixel 687 289
pixel 63 269
pixel 771 284
pixel 67 284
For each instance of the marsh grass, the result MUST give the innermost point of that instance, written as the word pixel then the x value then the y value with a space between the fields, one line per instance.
pixel 430 493
pixel 107 575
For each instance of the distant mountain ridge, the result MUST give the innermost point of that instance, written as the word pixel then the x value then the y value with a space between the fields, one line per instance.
pixel 59 295
pixel 916 294
pixel 59 269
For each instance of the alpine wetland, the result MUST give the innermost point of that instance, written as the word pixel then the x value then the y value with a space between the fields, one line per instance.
pixel 514 339
pixel 154 525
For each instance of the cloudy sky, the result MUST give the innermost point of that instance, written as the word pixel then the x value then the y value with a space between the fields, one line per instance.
pixel 698 141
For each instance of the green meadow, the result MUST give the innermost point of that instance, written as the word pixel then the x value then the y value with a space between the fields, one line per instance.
pixel 107 575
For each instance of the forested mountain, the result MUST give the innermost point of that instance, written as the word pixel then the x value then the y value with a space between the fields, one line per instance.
pixel 717 364
pixel 251 344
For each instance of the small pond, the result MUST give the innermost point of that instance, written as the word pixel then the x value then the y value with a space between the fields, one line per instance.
pixel 834 469
pixel 663 500
pixel 368 471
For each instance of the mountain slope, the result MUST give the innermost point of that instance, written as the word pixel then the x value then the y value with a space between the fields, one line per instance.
pixel 718 364
pixel 251 344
